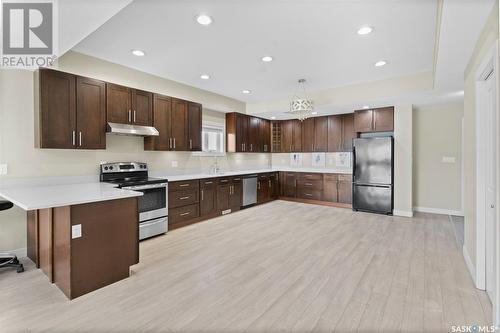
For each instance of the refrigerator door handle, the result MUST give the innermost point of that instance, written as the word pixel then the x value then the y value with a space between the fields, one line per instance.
pixel 353 162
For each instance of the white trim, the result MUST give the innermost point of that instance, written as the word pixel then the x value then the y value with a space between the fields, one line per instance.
pixel 20 253
pixel 403 213
pixel 488 64
pixel 438 211
pixel 468 262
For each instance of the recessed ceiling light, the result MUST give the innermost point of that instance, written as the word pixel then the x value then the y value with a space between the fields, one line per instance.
pixel 365 30
pixel 366 107
pixel 138 53
pixel 313 113
pixel 267 58
pixel 246 91
pixel 273 117
pixel 204 76
pixel 204 19
pixel 380 63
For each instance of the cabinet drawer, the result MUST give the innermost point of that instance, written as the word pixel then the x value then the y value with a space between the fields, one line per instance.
pixel 185 213
pixel 182 198
pixel 310 184
pixel 310 176
pixel 236 180
pixel 223 181
pixel 208 183
pixel 346 178
pixel 331 177
pixel 305 193
pixel 183 185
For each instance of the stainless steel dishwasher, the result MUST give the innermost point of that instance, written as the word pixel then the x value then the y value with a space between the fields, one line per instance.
pixel 249 190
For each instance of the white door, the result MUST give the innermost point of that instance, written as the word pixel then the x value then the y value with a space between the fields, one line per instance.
pixel 490 186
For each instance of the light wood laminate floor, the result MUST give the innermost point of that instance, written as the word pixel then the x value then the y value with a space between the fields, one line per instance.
pixel 282 266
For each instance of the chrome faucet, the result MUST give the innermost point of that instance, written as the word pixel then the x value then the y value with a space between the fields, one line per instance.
pixel 214 168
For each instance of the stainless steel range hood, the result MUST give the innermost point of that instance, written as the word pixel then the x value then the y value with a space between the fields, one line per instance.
pixel 133 130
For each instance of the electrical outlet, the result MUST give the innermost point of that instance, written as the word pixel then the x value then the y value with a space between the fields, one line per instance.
pixel 3 169
pixel 76 231
pixel 175 164
pixel 448 159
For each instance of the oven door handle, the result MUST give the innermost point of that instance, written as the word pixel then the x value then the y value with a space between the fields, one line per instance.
pixel 145 187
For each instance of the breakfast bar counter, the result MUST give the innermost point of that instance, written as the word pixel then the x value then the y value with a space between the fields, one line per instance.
pixel 82 236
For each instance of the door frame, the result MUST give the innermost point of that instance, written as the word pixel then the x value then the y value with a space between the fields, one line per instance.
pixel 489 64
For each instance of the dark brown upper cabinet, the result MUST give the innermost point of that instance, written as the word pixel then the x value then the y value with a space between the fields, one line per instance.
pixel 265 135
pixel 247 134
pixel 348 132
pixel 162 115
pixel 321 134
pixel 90 113
pixel 375 120
pixel 72 111
pixel 125 105
pixel 254 135
pixel 194 126
pixel 57 109
pixel 334 133
pixel 142 108
pixel 179 123
pixel 291 136
pixel 308 135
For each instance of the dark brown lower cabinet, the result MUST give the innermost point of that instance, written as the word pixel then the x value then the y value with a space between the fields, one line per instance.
pixel 102 255
pixel 223 193
pixel 330 191
pixel 345 189
pixel 275 185
pixel 208 198
pixel 289 184
pixel 183 203
pixel 263 188
pixel 236 195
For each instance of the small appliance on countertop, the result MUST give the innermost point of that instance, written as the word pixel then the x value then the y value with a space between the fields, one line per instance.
pixel 153 205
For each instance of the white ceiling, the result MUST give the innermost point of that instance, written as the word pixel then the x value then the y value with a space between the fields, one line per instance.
pixel 314 39
pixel 461 24
pixel 77 19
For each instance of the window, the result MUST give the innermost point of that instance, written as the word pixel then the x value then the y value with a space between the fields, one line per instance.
pixel 213 138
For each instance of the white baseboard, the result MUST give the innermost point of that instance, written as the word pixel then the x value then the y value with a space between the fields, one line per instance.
pixel 20 253
pixel 438 211
pixel 468 262
pixel 403 213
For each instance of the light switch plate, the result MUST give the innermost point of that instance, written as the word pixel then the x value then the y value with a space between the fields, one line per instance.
pixel 3 169
pixel 76 231
pixel 175 164
pixel 448 159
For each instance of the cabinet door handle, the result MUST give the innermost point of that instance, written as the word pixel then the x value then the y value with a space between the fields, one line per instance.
pixel 134 116
pixel 242 147
pixel 129 116
pixel 184 198
pixel 174 143
pixel 307 194
pixel 190 144
pixel 269 182
pixel 251 147
pixel 80 138
pixel 258 185
pixel 170 143
pixel 308 184
pixel 201 195
pixel 184 214
pixel 183 185
pixel 209 182
pixel 74 138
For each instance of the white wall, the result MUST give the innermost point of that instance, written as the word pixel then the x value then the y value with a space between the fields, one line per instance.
pixel 17 135
pixel 403 157
pixel 437 133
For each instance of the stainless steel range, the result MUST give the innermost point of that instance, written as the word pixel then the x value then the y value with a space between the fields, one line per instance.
pixel 153 205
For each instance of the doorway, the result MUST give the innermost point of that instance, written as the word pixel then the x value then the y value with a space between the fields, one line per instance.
pixel 487 240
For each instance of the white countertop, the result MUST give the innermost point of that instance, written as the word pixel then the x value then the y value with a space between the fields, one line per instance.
pixel 41 197
pixel 174 178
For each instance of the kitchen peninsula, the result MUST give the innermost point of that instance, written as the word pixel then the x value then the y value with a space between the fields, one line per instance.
pixel 82 236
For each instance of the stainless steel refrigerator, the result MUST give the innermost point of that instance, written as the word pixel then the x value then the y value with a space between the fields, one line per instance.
pixel 373 180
